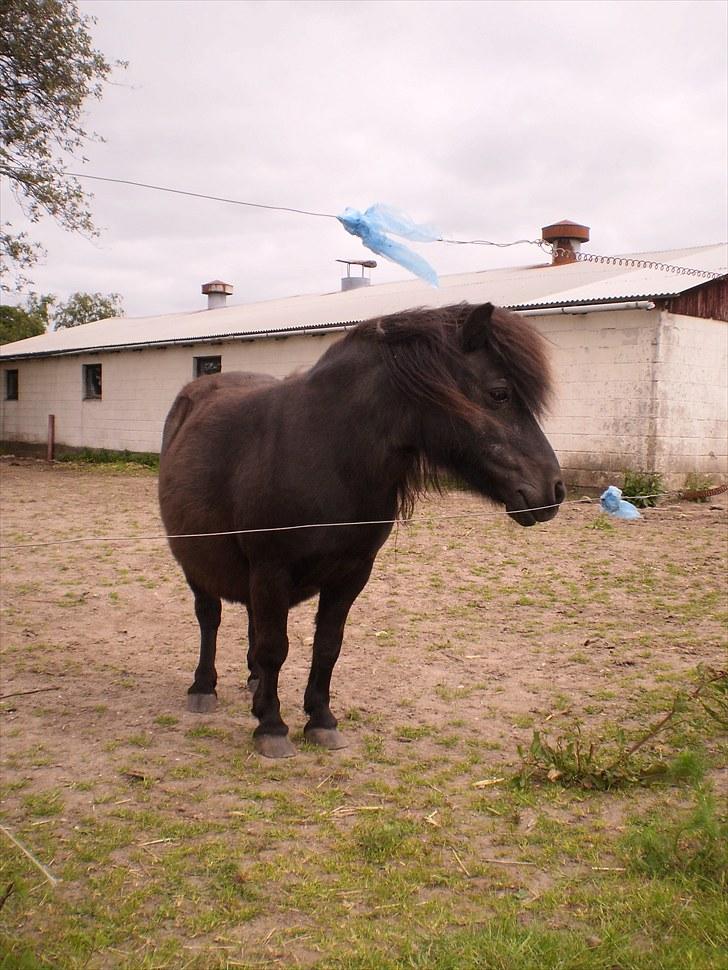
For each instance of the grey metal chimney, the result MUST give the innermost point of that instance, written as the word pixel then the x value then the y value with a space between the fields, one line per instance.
pixel 350 282
pixel 217 293
pixel 566 238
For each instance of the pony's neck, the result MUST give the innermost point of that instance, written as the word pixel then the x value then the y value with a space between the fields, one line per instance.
pixel 378 436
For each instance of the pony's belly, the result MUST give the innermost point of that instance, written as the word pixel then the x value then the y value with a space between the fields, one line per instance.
pixel 301 593
pixel 215 566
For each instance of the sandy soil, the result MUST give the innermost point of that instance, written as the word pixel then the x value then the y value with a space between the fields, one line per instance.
pixel 467 617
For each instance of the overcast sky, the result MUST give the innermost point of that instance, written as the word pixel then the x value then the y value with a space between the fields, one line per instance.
pixel 488 119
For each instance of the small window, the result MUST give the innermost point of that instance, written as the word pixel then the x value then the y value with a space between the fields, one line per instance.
pixel 91 381
pixel 207 365
pixel 11 385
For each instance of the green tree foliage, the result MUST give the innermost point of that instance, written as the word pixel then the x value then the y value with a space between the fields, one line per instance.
pixel 17 322
pixel 40 313
pixel 48 70
pixel 87 307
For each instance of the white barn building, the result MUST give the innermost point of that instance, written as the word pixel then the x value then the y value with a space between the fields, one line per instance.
pixel 640 355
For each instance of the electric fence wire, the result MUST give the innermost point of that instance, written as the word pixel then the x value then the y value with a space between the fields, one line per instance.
pixel 485 513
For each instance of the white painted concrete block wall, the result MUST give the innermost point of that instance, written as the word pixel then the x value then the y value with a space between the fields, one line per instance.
pixel 602 364
pixel 691 391
pixel 138 388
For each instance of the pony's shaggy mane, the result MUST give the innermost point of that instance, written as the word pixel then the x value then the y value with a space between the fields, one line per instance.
pixel 423 353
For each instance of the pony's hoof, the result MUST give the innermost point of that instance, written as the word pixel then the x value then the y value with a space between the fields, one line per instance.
pixel 202 703
pixel 274 746
pixel 326 737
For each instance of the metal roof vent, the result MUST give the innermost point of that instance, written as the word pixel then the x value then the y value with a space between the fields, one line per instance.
pixel 217 293
pixel 566 238
pixel 350 282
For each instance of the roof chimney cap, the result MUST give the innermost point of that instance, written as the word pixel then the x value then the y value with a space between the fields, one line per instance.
pixel 217 286
pixel 565 229
pixel 217 293
pixel 350 282
pixel 566 238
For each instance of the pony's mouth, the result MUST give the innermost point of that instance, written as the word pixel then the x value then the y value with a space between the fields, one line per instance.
pixel 526 514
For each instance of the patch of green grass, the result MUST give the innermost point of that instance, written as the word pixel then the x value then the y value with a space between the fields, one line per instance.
pixel 523 720
pixel 44 803
pixel 17 957
pixel 141 740
pixel 166 720
pixel 508 942
pixel 688 766
pixel 692 844
pixel 207 731
pixel 600 523
pixel 384 840
pixel 413 733
pixel 117 459
pixel 373 746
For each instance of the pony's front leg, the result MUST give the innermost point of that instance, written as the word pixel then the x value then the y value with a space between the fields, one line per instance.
pixel 202 696
pixel 334 605
pixel 269 601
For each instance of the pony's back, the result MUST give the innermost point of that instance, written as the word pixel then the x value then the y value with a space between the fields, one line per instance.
pixel 201 393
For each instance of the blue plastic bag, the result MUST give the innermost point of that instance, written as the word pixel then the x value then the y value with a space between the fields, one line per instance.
pixel 372 227
pixel 612 502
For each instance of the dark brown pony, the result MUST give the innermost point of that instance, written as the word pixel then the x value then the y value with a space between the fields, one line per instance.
pixel 355 439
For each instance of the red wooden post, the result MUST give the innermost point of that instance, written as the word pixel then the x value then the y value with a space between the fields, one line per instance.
pixel 51 444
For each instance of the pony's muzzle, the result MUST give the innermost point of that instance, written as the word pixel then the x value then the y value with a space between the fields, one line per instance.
pixel 527 509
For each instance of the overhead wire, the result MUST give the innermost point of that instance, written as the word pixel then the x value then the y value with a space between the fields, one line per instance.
pixel 202 195
pixel 630 262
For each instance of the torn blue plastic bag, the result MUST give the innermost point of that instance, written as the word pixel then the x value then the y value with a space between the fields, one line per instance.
pixel 613 503
pixel 372 227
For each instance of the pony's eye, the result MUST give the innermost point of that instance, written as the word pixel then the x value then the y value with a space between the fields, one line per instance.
pixel 500 394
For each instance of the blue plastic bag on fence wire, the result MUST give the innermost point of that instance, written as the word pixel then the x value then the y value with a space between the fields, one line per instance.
pixel 372 227
pixel 612 502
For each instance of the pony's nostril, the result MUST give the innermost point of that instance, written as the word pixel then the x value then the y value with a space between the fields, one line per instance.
pixel 559 491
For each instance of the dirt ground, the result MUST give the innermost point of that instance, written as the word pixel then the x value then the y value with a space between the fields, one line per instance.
pixel 471 631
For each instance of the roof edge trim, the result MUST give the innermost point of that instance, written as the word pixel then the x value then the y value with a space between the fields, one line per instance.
pixel 315 328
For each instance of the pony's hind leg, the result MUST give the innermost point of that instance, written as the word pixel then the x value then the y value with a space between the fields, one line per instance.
pixel 334 605
pixel 202 696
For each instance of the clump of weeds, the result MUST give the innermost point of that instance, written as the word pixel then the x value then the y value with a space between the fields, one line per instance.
pixel 573 759
pixel 643 489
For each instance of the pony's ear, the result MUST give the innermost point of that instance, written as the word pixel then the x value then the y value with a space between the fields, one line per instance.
pixel 474 334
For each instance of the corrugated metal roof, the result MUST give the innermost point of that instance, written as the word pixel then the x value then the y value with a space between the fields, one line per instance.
pixel 519 288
